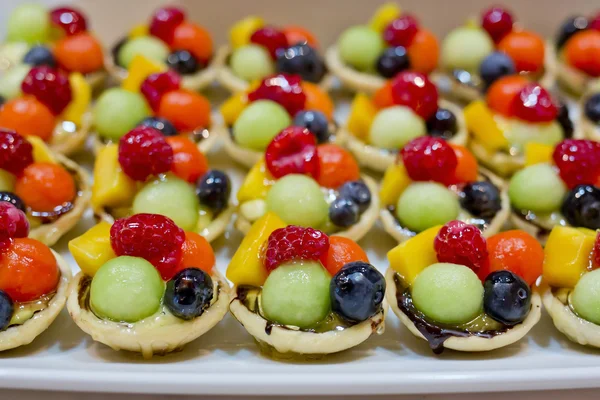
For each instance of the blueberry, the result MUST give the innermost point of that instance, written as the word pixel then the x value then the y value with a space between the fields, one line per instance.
pixel 359 192
pixel 40 55
pixel 189 293
pixel 13 199
pixel 592 108
pixel 481 199
pixel 506 297
pixel 442 124
pixel 160 124
pixel 2 100
pixel 314 121
pixel 392 61
pixel 114 52
pixel 357 291
pixel 213 190
pixel 581 207
pixel 344 212
pixel 6 310
pixel 495 66
pixel 564 120
pixel 183 62
pixel 303 60
pixel 569 28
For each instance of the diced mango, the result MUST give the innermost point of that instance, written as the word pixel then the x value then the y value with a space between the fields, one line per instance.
pixel 138 30
pixel 246 266
pixel 537 153
pixel 414 255
pixel 233 107
pixel 41 151
pixel 395 180
pixel 92 249
pixel 384 15
pixel 480 122
pixel 256 184
pixel 567 255
pixel 139 69
pixel 112 188
pixel 7 181
pixel 362 113
pixel 81 98
pixel 239 34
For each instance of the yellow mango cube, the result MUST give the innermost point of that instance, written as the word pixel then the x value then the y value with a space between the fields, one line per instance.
pixel 257 183
pixel 139 69
pixel 413 256
pixel 82 97
pixel 567 255
pixel 246 266
pixel 395 180
pixel 538 153
pixel 92 249
pixel 384 15
pixel 112 188
pixel 482 125
pixel 138 30
pixel 239 34
pixel 362 113
pixel 233 107
pixel 41 151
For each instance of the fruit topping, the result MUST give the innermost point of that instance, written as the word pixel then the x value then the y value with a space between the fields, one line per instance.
pixel 284 89
pixel 294 243
pixel 150 47
pixel 197 253
pixel 442 124
pixel 358 192
pixel 293 151
pixel 162 125
pixel 189 163
pixel 270 38
pixel 570 27
pixel 461 243
pixel 164 21
pixel 214 189
pixel 564 120
pixel 303 60
pixel 361 116
pixel 395 181
pixel 383 15
pixel 316 122
pixel 40 55
pixel 578 161
pixel 187 110
pixel 495 66
pixel 71 21
pixel 481 199
pixel 341 252
pixel 467 169
pixel 424 52
pixel 299 35
pixel 46 187
pixel 81 53
pixel 50 86
pixel 183 62
pixel 401 31
pixel 392 61
pixel 336 165
pixel 16 153
pixel 92 249
pixel 144 152
pixel 257 183
pixel 567 255
pixel 195 39
pixel 298 200
pixel 13 224
pixel 259 123
pixel 506 297
pixel 357 291
pixel 583 51
pixel 189 293
pixel 415 90
pixel 28 23
pixel 13 199
pixel 429 159
pixel 411 257
pixel 595 22
pixel 464 48
pixel 423 205
pixel 251 62
pixel 393 127
pixel 533 103
pixel 317 99
pixel 585 299
pixel 382 97
pixel 501 94
pixel 11 80
pixel 581 206
pixel 112 188
pixel 526 49
pixel 28 116
pixel 157 85
pixel 497 22
pixel 6 310
pixel 360 47
pixel 118 111
pixel 526 185
pixel 592 108
pixel 344 212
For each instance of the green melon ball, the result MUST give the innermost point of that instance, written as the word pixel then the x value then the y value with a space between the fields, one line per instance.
pixel 537 188
pixel 147 46
pixel 171 197
pixel 259 123
pixel 117 111
pixel 395 126
pixel 423 205
pixel 448 293
pixel 126 289
pixel 297 294
pixel 11 80
pixel 585 298
pixel 298 200
pixel 29 23
pixel 14 52
pixel 251 62
pixel 465 48
pixel 360 47
pixel 520 133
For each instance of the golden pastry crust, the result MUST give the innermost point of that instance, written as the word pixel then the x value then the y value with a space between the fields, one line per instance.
pixel 351 78
pixel 67 138
pixel 571 79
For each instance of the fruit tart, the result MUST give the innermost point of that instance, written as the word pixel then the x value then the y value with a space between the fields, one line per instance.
pixel 404 108
pixel 365 56
pixel 458 290
pixel 515 114
pixel 147 172
pixel 256 51
pixel 52 190
pixel 475 55
pixel 434 182
pixel 570 282
pixel 318 186
pixel 559 186
pixel 253 118
pixel 303 294
pixel 171 40
pixel 46 102
pixel 57 37
pixel 145 285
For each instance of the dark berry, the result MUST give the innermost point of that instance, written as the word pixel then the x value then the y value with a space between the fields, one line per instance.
pixel 534 104
pixel 13 199
pixel 144 152
pixel 6 310
pixel 429 158
pixel 164 21
pixel 294 243
pixel 392 61
pixel 303 60
pixel 272 39
pixel 16 153
pixel 162 125
pixel 40 55
pixel 494 66
pixel 461 243
pixel 189 293
pixel 442 124
pixel 213 189
pixel 506 297
pixel 581 207
pixel 50 86
pixel 183 62
pixel 114 52
pixel 344 212
pixel 564 119
pixel 497 22
pixel 578 161
pixel 284 89
pixel 69 20
pixel 357 291
pixel 481 199
pixel 569 28
pixel 156 85
pixel 592 108
pixel 316 122
pixel 401 31
pixel 415 90
pixel 357 191
pixel 2 100
pixel 293 151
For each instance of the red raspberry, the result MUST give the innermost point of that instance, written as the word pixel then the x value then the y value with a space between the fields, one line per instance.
pixel 415 90
pixel 294 243
pixel 144 152
pixel 401 31
pixel 578 161
pixel 293 151
pixel 13 224
pixel 16 152
pixel 152 237
pixel 594 22
pixel 164 21
pixel 497 22
pixel 71 21
pixel 156 85
pixel 429 158
pixel 596 252
pixel 271 38
pixel 461 243
pixel 284 89
pixel 534 104
pixel 50 86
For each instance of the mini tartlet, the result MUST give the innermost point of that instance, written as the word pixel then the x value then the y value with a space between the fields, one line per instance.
pixel 256 51
pixel 434 182
pixel 145 285
pixel 251 119
pixel 172 41
pixel 286 298
pixel 404 108
pixel 434 285
pixel 475 55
